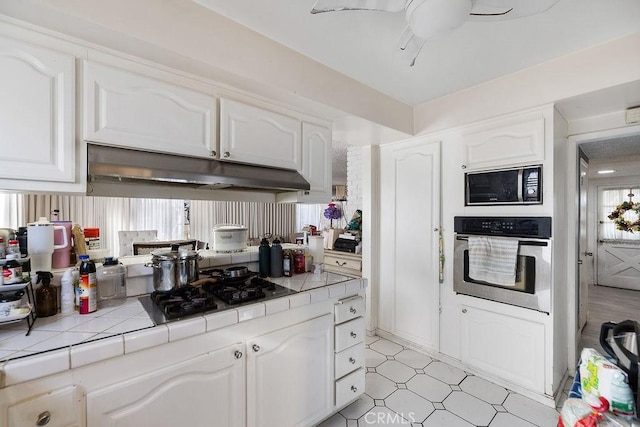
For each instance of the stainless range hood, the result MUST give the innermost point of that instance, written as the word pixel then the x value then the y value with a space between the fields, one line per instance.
pixel 125 166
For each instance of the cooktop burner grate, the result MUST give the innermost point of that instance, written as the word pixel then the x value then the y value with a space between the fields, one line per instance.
pixel 184 301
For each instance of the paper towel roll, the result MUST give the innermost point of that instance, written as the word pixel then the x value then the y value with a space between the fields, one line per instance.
pixel 316 247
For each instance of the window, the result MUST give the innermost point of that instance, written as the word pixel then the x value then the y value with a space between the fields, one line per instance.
pixel 609 199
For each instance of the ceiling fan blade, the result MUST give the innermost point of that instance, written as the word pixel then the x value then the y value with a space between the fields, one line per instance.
pixel 337 5
pixel 409 46
pixel 493 10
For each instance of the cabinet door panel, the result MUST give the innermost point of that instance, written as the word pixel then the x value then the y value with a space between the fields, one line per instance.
pixel 409 287
pixel 207 391
pixel 290 376
pixel 130 110
pixel 254 135
pixel 506 346
pixel 37 109
pixel 63 408
pixel 316 162
pixel 512 143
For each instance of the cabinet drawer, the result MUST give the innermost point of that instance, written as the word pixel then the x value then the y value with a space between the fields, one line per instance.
pixel 62 407
pixel 350 333
pixel 335 261
pixel 349 308
pixel 349 387
pixel 349 360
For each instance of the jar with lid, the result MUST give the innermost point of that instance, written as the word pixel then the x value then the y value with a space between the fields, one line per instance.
pixel 112 287
pixel 12 270
pixel 13 247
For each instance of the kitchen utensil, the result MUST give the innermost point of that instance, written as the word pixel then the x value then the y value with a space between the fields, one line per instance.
pixel 61 256
pixel 237 271
pixel 173 269
pixel 620 341
pixel 41 245
pixel 229 238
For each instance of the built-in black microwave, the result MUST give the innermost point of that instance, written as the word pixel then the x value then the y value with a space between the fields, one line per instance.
pixel 514 186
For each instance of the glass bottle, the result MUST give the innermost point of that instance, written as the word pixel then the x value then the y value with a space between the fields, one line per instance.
pixel 46 295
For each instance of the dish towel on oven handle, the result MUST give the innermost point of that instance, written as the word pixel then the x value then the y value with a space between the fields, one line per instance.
pixel 493 260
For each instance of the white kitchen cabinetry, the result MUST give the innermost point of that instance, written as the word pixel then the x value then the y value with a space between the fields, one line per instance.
pixel 289 375
pixel 408 305
pixel 135 111
pixel 37 119
pixel 316 162
pixel 59 408
pixel 508 142
pixel 349 349
pixel 509 347
pixel 254 135
pixel 206 391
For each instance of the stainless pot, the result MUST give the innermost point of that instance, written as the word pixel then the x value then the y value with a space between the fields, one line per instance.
pixel 173 269
pixel 229 238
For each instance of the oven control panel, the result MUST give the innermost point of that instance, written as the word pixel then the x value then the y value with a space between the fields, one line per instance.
pixel 535 227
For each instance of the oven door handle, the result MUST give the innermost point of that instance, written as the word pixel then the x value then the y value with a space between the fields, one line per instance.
pixel 520 184
pixel 521 242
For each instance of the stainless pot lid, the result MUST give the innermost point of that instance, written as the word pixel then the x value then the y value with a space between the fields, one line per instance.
pixel 165 255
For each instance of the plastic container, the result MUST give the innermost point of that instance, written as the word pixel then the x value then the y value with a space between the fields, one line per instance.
pixel 92 238
pixel 264 258
pixel 67 292
pixel 316 247
pixel 88 294
pixel 276 259
pixel 112 286
pixel 46 295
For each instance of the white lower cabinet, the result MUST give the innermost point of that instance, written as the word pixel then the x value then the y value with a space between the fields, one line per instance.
pixel 206 391
pixel 289 374
pixel 58 408
pixel 349 349
pixel 509 347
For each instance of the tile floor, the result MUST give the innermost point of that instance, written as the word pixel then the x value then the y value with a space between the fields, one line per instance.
pixel 407 388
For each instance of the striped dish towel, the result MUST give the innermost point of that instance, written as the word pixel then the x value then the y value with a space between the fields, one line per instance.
pixel 493 260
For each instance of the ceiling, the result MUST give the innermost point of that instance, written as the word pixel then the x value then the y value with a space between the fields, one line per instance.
pixel 361 44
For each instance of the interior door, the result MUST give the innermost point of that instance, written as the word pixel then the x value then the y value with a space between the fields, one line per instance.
pixel 585 267
pixel 410 220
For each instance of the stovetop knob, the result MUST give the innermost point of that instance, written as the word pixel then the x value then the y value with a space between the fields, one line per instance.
pixel 256 348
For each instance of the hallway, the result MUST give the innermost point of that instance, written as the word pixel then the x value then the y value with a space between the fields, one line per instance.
pixel 608 304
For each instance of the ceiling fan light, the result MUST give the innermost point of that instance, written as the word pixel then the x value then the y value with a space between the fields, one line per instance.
pixel 431 18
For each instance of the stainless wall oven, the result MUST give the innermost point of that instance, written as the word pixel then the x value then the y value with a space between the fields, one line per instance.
pixel 532 288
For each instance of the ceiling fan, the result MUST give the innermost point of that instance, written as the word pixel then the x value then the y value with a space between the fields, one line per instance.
pixel 430 19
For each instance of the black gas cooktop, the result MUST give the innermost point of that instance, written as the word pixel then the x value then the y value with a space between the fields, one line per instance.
pixel 216 294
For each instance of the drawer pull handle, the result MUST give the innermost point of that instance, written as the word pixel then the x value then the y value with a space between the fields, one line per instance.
pixel 352 360
pixel 237 354
pixel 341 264
pixel 256 348
pixel 354 389
pixel 353 335
pixel 353 310
pixel 44 418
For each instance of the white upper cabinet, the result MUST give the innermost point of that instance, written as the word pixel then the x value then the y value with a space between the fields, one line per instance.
pixel 131 110
pixel 508 142
pixel 37 119
pixel 254 135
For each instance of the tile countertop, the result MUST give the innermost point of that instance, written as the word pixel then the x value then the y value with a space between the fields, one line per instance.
pixel 128 328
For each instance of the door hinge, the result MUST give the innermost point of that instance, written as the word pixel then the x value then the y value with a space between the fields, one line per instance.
pixel 439 309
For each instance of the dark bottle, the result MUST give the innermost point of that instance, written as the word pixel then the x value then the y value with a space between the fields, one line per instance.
pixel 46 295
pixel 287 264
pixel 298 262
pixel 276 259
pixel 22 240
pixel 264 258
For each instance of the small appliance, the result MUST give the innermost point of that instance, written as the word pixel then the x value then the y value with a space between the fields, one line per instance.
pixel 514 186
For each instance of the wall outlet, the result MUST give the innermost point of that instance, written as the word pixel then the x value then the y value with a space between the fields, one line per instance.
pixel 633 116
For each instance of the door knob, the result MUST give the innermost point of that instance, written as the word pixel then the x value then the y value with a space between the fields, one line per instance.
pixel 237 354
pixel 226 154
pixel 588 253
pixel 256 348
